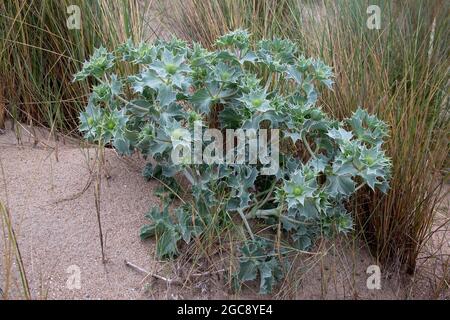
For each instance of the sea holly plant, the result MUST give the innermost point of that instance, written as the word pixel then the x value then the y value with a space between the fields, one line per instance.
pixel 185 97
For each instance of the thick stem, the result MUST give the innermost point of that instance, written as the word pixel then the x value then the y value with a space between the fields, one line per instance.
pixel 241 213
pixel 362 185
pixel 276 212
pixel 268 82
pixel 266 199
pixel 308 147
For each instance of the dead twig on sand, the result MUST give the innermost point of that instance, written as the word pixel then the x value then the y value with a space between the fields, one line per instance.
pixel 169 281
pixel 79 194
pixel 147 273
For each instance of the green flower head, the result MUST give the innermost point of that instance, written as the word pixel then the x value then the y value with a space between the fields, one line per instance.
pixel 102 92
pixel 298 189
pixel 257 101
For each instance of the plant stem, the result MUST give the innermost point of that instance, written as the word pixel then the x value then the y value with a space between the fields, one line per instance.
pixel 259 205
pixel 241 213
pixel 308 147
pixel 362 185
pixel 269 80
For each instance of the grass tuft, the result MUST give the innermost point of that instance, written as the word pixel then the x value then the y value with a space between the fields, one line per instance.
pixel 39 55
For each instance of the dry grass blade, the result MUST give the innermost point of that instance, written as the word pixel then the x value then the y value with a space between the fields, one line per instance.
pixel 6 220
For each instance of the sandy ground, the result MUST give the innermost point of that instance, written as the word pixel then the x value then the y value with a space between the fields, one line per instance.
pixel 55 234
pixel 56 226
